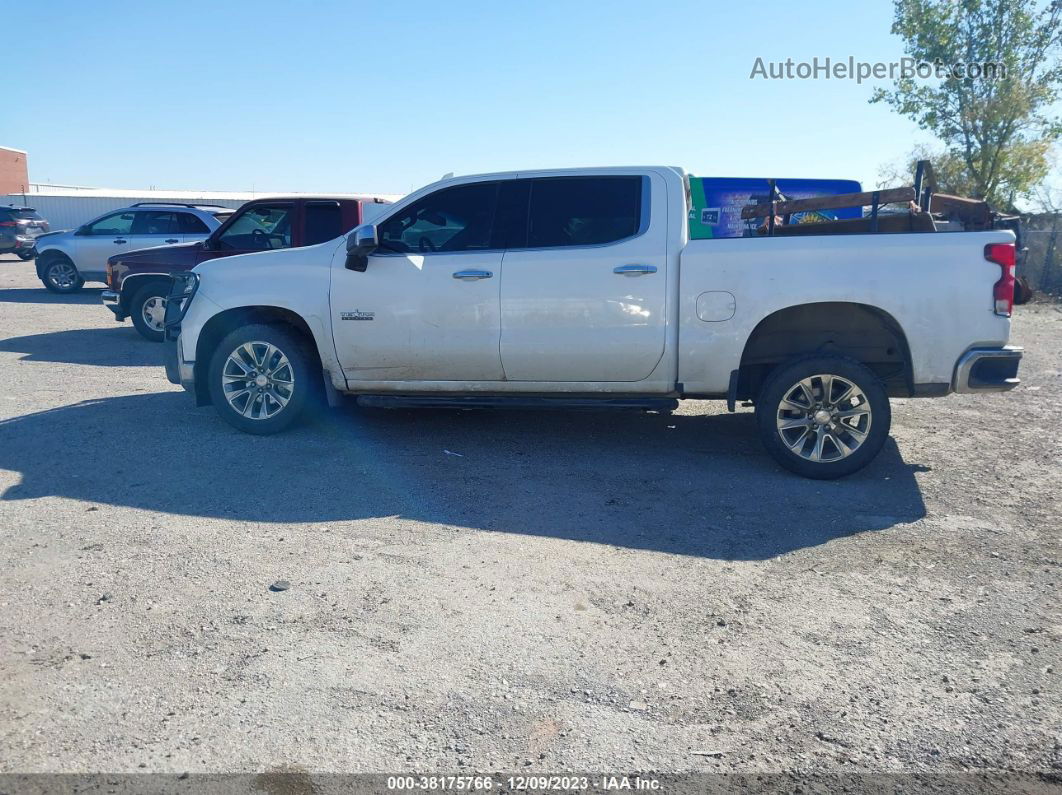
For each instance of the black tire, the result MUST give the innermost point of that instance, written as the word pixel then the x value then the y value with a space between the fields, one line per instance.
pixel 53 271
pixel 156 291
pixel 305 375
pixel 26 256
pixel 848 443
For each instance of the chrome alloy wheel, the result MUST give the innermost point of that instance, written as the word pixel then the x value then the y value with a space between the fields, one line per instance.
pixel 824 418
pixel 154 313
pixel 62 274
pixel 257 380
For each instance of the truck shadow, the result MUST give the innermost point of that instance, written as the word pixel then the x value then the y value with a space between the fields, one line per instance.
pixel 39 295
pixel 118 346
pixel 682 484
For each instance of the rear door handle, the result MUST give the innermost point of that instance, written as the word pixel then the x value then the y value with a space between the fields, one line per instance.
pixel 171 240
pixel 471 276
pixel 634 270
pixel 119 241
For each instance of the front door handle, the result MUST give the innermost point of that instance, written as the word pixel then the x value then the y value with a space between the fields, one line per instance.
pixel 471 276
pixel 171 240
pixel 119 241
pixel 634 270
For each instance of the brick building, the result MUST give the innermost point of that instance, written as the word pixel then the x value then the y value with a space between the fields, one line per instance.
pixel 14 174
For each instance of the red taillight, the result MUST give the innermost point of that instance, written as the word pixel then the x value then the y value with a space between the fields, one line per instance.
pixel 8 223
pixel 1004 255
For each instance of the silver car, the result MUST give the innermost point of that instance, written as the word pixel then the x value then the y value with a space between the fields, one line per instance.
pixel 68 259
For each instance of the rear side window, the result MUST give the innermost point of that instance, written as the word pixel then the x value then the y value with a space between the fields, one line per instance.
pixel 324 221
pixel 191 225
pixel 451 219
pixel 155 222
pixel 583 211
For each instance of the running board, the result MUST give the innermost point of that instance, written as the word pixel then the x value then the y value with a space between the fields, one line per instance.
pixel 515 402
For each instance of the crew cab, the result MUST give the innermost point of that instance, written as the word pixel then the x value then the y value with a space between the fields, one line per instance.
pixel 580 286
pixel 139 281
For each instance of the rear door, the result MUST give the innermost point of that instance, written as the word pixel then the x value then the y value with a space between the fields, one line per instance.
pixel 583 288
pixel 191 227
pixel 154 228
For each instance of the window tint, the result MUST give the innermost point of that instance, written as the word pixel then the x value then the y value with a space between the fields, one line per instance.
pixel 116 224
pixel 452 219
pixel 510 220
pixel 263 227
pixel 324 221
pixel 27 214
pixel 583 211
pixel 155 222
pixel 191 225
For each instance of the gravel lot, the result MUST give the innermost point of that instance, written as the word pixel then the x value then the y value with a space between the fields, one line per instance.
pixel 558 592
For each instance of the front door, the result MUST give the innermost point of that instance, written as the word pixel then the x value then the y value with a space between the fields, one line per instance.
pixel 583 293
pixel 101 239
pixel 426 306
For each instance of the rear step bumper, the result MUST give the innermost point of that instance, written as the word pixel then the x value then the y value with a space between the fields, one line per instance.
pixel 515 402
pixel 988 370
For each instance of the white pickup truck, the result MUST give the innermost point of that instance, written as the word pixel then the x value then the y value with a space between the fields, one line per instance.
pixel 568 286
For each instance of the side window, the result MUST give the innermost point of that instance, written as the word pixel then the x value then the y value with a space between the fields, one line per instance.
pixel 116 224
pixel 324 221
pixel 451 219
pixel 154 222
pixel 583 211
pixel 190 225
pixel 259 228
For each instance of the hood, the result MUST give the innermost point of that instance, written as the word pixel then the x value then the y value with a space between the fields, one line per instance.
pixel 176 254
pixel 53 234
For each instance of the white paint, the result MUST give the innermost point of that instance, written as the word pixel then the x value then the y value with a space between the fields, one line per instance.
pixel 716 305
pixel 547 318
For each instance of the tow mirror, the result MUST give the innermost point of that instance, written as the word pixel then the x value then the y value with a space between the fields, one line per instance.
pixel 360 243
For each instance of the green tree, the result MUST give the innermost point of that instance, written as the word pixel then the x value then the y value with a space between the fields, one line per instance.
pixel 997 131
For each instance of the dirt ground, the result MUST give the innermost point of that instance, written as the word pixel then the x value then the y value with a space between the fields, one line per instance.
pixel 512 591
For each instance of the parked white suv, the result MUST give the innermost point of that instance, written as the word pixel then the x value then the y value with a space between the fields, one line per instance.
pixel 68 259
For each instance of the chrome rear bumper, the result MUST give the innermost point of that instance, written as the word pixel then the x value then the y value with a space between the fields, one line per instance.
pixel 988 370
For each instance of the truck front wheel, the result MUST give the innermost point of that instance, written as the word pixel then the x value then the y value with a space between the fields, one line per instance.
pixel 823 417
pixel 260 378
pixel 148 310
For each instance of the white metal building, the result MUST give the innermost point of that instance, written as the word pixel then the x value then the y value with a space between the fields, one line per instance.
pixel 70 206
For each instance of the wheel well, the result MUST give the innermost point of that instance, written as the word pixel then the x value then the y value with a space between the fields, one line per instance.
pixel 132 284
pixel 861 332
pixel 222 323
pixel 45 258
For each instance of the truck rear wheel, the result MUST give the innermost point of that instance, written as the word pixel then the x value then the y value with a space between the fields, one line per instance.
pixel 261 378
pixel 823 417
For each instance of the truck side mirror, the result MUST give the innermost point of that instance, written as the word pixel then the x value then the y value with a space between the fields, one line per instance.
pixel 360 243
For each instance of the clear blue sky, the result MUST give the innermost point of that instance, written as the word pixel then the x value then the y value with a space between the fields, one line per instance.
pixel 278 95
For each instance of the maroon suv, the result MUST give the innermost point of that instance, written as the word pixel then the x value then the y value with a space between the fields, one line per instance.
pixel 139 280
